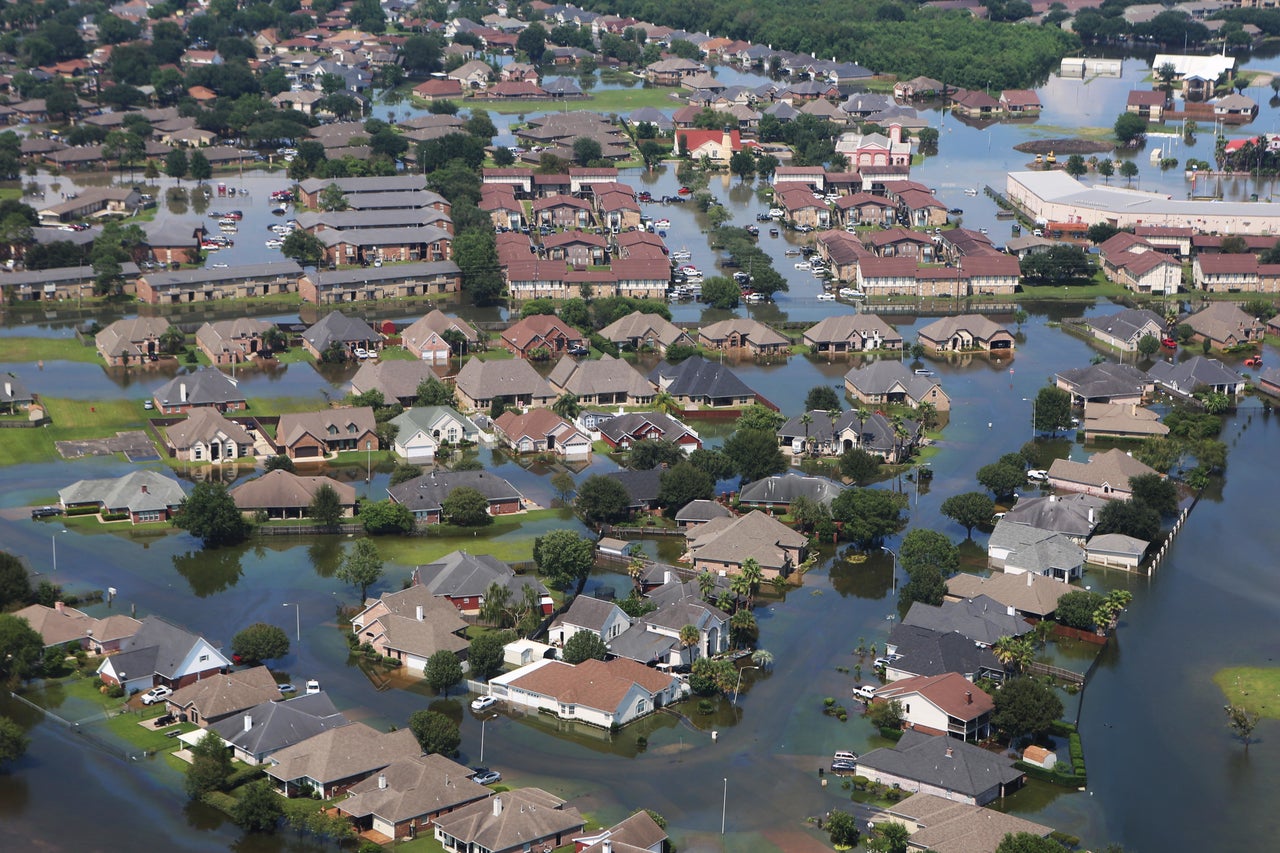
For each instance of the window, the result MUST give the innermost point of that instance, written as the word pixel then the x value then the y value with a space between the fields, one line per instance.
pixel 204 658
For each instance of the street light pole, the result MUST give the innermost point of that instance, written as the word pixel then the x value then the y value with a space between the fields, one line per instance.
pixel 739 685
pixel 890 552
pixel 53 540
pixel 918 467
pixel 1032 401
pixel 368 471
pixel 297 617
pixel 724 805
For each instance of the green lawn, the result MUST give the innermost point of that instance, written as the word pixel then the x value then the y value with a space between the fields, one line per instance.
pixel 284 405
pixel 46 349
pixel 396 354
pixel 295 355
pixel 604 101
pixel 444 539
pixel 1255 688
pixel 72 419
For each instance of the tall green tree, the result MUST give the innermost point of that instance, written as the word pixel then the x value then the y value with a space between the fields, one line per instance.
pixel 260 642
pixel 325 508
pixel 476 254
pixel 21 649
pixel 1002 479
pixel 304 247
pixel 1025 706
pixel 755 453
pixel 443 671
pixel 485 654
pixel 681 484
pixel 13 741
pixel 210 514
pixel 435 733
pixel 969 509
pixel 1052 409
pixel 842 829
pixel 15 585
pixel 859 466
pixel 925 548
pixel 868 515
pixel 258 808
pixel 210 766
pixel 564 558
pixel 362 567
pixel 200 168
pixel 822 398
pixel 584 645
pixel 176 164
pixel 602 499
pixel 466 507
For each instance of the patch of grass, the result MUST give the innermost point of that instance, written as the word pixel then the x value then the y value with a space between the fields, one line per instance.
pixel 295 355
pixel 495 540
pixel 46 349
pixel 284 405
pixel 1254 688
pixel 72 419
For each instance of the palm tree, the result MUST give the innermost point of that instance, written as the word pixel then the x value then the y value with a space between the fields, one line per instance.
pixel 835 416
pixel 754 575
pixel 725 601
pixel 1014 652
pixel 635 569
pixel 805 420
pixel 779 584
pixel 567 407
pixel 743 627
pixel 741 586
pixel 762 658
pixel 706 583
pixel 665 403
pixel 927 415
pixel 863 414
pixel 690 637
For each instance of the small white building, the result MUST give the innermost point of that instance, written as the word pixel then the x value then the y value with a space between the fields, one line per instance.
pixel 595 692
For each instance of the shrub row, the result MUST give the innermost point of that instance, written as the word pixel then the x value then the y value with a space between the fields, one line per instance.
pixel 244 776
pixel 605 346
pixel 220 801
pixel 1054 777
pixel 891 734
pixel 1077 754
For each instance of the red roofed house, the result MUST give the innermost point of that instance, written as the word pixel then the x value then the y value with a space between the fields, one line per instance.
pixel 975 103
pixel 516 90
pixel 947 704
pixel 600 693
pixel 540 330
pixel 439 89
pixel 1149 105
pixel 542 431
pixel 716 145
pixel 1020 102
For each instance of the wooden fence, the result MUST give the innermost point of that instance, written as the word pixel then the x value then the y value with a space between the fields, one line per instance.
pixel 1067 675
pixel 306 529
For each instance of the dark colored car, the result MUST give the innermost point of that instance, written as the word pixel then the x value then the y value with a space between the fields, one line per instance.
pixel 45 512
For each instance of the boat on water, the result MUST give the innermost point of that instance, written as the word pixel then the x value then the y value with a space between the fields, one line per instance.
pixel 971 191
pixel 681 255
pixel 275 244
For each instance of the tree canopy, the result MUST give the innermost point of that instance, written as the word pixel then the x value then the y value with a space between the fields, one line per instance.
pixel 435 732
pixel 442 671
pixel 969 509
pixel 602 499
pixel 466 507
pixel 362 566
pixel 210 514
pixel 868 515
pixel 564 558
pixel 1025 706
pixel 260 642
pixel 584 645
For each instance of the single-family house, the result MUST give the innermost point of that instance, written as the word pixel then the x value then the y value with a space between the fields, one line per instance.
pixel 541 431
pixel 1105 475
pixel 540 331
pixel 217 697
pixel 409 795
pixel 893 383
pixel 233 341
pixel 913 651
pixel 1121 420
pixel 131 341
pixel 1106 382
pixel 253 735
pixel 1125 328
pixel 422 430
pixel 61 625
pixel 14 396
pixel 425 495
pixel 698 383
pixel 852 333
pixel 654 638
pixel 639 833
pixel 472 75
pixel 1074 515
pixel 284 494
pixel 606 381
pixel 939 824
pixel 1116 550
pixel 699 512
pixel 965 332
pixel 336 759
pixel 161 654
pixel 743 333
pixel 523 819
pixel 1028 595
pixel 1197 374
pixel 428 337
pixel 411 625
pixel 513 381
pixel 207 387
pixel 464 580
pixel 975 103
pixel 1020 103
pixel 340 332
pixel 599 693
pixel 946 704
pixel 397 381
pixel 718 146
pixel 621 431
pixel 1269 381
pixel 942 766
pixel 638 330
pixel 206 435
pixel 827 436
pixel 1016 548
pixel 141 496
pixel 1224 325
pixel 724 544
pixel 586 613
pixel 981 618
pixel 1150 105
pixel 315 435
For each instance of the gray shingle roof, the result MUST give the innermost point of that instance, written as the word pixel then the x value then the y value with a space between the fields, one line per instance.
pixel 981 619
pixel 702 511
pixel 137 491
pixel 924 651
pixel 697 377
pixel 642 486
pixel 943 762
pixel 157 647
pixel 1105 380
pixel 1074 515
pixel 879 377
pixel 1038 551
pixel 1194 374
pixel 485 380
pixel 622 426
pixel 208 386
pixel 275 725
pixel 785 488
pixel 428 491
pixel 13 390
pixel 1127 324
pixel 339 327
pixel 460 574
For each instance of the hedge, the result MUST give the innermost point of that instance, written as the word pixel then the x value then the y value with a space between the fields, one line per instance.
pixel 892 734
pixel 1054 777
pixel 244 776
pixel 603 344
pixel 220 801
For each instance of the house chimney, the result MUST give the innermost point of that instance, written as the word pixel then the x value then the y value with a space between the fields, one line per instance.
pixel 144 488
pixel 968 697
pixel 59 606
pixel 419 613
pixel 497 806
pixel 248 722
pixel 1091 515
pixel 182 391
pixel 666 576
pixel 382 781
pixel 949 752
pixel 8 388
pixel 606 846
pixel 1029 578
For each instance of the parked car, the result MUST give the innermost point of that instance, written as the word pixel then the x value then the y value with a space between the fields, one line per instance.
pixel 313 686
pixel 843 766
pixel 1169 343
pixel 286 688
pixel 923 371
pixel 45 512
pixel 148 405
pixel 1037 474
pixel 578 350
pixel 866 692
pixel 485 776
pixel 483 703
pixel 156 694
pixel 826 297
